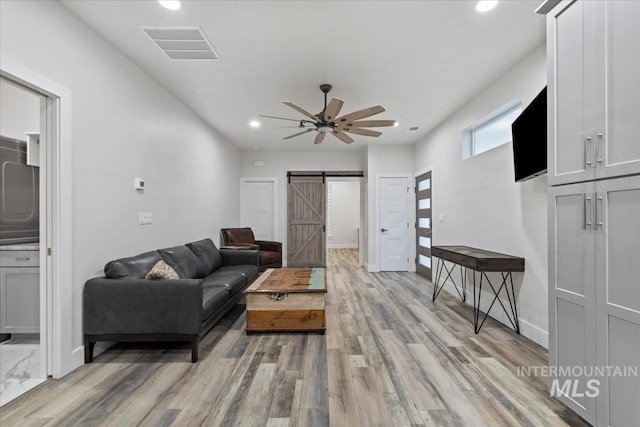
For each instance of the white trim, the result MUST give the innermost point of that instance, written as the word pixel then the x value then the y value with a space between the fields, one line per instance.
pixel 376 239
pixel 274 180
pixel 59 267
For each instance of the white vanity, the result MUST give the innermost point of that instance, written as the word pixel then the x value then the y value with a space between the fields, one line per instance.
pixel 20 289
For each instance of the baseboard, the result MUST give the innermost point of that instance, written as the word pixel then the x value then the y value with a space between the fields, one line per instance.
pixel 372 268
pixel 527 329
pixel 343 246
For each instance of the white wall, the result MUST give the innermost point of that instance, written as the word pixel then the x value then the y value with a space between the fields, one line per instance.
pixel 123 125
pixel 481 204
pixel 343 214
pixel 276 164
pixel 19 111
pixel 385 159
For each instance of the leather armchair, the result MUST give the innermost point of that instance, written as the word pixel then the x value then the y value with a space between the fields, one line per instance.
pixel 270 252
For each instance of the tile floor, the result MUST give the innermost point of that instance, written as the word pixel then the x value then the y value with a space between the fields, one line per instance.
pixel 19 367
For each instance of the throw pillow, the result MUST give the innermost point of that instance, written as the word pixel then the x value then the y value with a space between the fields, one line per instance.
pixel 162 270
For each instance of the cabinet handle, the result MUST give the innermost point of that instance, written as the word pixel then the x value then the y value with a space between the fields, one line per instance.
pixel 596 223
pixel 585 140
pixel 22 258
pixel 584 211
pixel 596 146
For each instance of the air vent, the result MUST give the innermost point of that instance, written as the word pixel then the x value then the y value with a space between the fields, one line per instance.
pixel 182 43
pixel 413 129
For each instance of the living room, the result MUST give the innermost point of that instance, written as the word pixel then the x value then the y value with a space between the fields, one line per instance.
pixel 111 121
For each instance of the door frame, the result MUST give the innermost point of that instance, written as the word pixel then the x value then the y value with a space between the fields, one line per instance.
pixel 60 356
pixel 274 180
pixel 359 180
pixel 416 174
pixel 410 218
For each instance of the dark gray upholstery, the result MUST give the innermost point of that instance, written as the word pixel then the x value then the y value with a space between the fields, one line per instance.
pixel 130 306
pixel 124 306
pixel 183 261
pixel 232 283
pixel 214 298
pixel 207 253
pixel 135 267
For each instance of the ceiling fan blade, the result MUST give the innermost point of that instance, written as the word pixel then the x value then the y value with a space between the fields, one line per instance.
pixel 365 132
pixel 296 134
pixel 333 109
pixel 360 114
pixel 319 138
pixel 371 123
pixel 300 110
pixel 342 136
pixel 280 118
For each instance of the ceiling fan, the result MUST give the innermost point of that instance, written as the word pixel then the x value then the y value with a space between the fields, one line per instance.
pixel 327 121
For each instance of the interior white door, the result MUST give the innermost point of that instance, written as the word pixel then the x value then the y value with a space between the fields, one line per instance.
pixel 258 207
pixel 394 223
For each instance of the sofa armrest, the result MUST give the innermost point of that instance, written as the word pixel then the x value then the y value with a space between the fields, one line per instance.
pixel 240 257
pixel 266 245
pixel 142 306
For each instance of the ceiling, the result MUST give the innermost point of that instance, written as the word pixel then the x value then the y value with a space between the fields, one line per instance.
pixel 421 60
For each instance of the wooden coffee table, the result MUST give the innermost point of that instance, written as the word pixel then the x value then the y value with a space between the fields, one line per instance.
pixel 287 299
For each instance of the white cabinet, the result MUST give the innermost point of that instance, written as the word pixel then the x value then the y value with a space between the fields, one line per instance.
pixel 594 294
pixel 594 91
pixel 19 292
pixel 594 208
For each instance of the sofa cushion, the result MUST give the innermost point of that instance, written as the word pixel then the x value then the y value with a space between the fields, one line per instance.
pixel 231 282
pixel 212 299
pixel 248 271
pixel 162 270
pixel 183 261
pixel 208 255
pixel 239 235
pixel 135 267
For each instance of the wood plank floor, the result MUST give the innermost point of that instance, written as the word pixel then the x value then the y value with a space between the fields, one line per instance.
pixel 390 357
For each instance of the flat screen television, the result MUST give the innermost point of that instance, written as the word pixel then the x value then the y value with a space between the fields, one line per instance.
pixel 529 136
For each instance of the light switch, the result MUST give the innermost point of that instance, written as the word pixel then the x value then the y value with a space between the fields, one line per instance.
pixel 145 218
pixel 441 218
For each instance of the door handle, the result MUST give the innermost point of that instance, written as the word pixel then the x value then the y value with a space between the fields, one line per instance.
pixel 383 230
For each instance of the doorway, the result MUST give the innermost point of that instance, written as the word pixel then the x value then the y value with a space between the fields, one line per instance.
pixel 424 225
pixel 259 206
pixel 344 218
pixel 23 344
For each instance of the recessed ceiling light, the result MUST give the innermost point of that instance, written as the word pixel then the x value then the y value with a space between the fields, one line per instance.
pixel 254 123
pixel 170 4
pixel 486 5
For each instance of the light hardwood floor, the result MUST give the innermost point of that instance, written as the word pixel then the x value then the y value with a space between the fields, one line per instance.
pixel 390 357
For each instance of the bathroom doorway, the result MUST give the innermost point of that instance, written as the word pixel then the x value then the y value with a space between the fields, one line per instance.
pixel 344 221
pixel 23 354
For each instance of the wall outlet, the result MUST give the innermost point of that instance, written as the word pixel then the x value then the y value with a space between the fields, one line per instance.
pixel 145 218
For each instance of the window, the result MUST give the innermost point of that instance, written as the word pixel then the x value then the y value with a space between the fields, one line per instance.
pixel 491 131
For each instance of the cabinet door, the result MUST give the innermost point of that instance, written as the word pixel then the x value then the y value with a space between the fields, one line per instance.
pixel 572 292
pixel 570 92
pixel 618 298
pixel 617 88
pixel 19 300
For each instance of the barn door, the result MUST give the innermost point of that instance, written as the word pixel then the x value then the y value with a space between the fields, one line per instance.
pixel 305 218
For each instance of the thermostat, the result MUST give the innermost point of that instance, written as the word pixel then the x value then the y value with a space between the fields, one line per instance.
pixel 139 184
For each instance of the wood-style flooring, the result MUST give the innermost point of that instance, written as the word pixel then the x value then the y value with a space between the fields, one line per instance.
pixel 390 357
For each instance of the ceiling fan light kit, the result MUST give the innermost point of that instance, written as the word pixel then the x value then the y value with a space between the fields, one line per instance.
pixel 327 121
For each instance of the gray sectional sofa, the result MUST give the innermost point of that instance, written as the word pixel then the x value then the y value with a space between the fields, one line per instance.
pixel 125 306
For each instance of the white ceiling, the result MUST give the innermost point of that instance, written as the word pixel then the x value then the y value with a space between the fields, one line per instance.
pixel 421 60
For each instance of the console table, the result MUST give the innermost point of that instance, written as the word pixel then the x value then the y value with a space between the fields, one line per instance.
pixel 481 261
